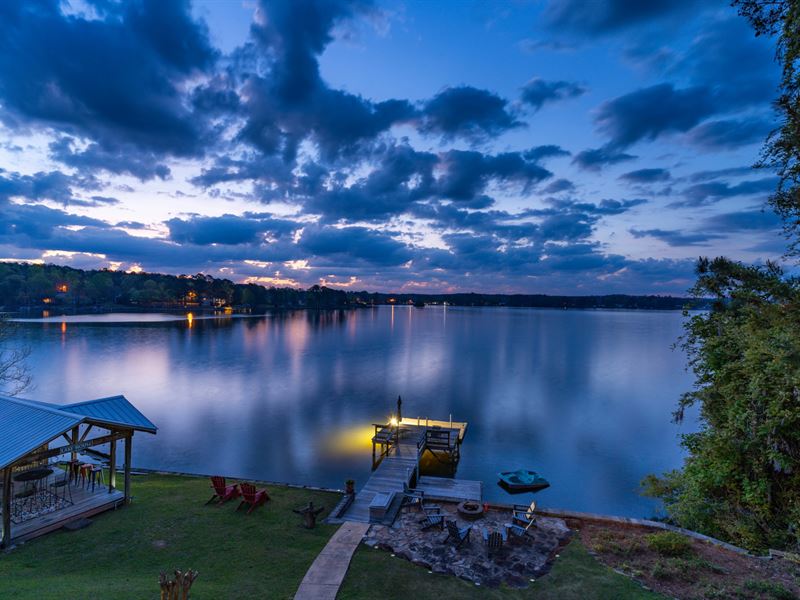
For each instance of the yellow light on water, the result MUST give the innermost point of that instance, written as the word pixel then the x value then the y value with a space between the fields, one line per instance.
pixel 352 441
pixel 190 318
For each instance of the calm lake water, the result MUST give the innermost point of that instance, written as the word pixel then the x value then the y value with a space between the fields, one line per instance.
pixel 584 397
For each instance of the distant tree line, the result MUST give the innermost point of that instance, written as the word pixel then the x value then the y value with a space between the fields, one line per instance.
pixel 26 285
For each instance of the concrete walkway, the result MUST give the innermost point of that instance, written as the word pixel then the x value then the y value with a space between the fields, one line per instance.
pixel 327 572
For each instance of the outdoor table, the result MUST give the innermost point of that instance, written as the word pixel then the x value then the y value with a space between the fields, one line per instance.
pixel 33 476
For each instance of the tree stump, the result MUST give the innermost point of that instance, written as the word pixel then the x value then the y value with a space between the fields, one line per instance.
pixel 309 514
pixel 177 588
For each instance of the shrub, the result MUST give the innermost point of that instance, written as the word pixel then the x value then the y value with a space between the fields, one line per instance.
pixel 669 543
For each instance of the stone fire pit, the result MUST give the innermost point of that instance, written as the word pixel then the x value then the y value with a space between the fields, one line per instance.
pixel 470 510
pixel 516 565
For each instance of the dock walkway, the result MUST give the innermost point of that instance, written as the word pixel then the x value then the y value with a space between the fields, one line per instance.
pixel 399 465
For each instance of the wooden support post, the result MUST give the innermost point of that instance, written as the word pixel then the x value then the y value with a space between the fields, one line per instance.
pixel 112 467
pixel 75 430
pixel 6 541
pixel 128 444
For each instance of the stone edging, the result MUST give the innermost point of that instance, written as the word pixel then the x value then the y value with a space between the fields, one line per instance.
pixel 571 514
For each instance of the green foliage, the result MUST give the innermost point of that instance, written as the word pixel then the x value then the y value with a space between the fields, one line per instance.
pixel 768 589
pixel 741 479
pixel 669 543
pixel 782 149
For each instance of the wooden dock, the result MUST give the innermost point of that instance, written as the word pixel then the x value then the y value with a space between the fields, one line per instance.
pixel 396 466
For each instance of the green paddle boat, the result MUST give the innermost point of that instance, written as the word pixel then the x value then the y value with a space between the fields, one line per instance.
pixel 522 481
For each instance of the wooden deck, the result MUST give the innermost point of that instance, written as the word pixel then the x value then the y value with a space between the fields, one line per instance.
pixel 86 503
pixel 399 466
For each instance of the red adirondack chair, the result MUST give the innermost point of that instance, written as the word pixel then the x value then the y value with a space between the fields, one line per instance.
pixel 222 492
pixel 252 496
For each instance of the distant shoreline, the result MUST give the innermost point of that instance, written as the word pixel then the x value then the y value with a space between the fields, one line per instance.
pixel 26 287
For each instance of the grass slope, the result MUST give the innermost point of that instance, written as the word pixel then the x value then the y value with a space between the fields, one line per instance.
pixel 264 555
pixel 576 574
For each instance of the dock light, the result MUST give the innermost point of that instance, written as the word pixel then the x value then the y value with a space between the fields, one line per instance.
pixel 393 421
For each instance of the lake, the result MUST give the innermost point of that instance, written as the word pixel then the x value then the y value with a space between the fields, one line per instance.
pixel 583 397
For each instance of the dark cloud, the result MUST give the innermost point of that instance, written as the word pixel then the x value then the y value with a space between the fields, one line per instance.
pixel 721 173
pixel 349 243
pixel 558 186
pixel 268 170
pixel 403 177
pixel 229 229
pixel 677 238
pixel 744 220
pixel 539 153
pixel 21 221
pixel 594 18
pixel 117 159
pixel 290 102
pixel 647 113
pixel 739 71
pixel 467 112
pixel 730 133
pixel 643 176
pixel 52 185
pixel 467 173
pixel 538 92
pixel 112 79
pixel 594 159
pixel 714 191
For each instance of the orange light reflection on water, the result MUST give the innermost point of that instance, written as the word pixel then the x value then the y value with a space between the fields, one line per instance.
pixel 189 319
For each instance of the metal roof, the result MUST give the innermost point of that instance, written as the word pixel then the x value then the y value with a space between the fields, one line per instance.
pixel 115 410
pixel 26 425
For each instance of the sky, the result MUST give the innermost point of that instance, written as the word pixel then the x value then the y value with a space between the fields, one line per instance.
pixel 558 147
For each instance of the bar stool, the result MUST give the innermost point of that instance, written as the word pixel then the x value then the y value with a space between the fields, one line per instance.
pixel 86 474
pixel 96 475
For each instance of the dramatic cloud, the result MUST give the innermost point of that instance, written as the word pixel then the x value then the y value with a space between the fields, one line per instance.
pixel 538 92
pixel 41 186
pixel 602 17
pixel 643 176
pixel 594 159
pixel 129 137
pixel 229 229
pixel 708 193
pixel 730 133
pixel 110 79
pixel 745 220
pixel 677 238
pixel 649 112
pixel 467 112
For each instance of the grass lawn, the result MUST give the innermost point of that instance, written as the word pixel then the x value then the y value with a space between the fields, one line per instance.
pixel 576 574
pixel 264 555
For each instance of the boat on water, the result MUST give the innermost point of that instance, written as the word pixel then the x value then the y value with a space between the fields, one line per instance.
pixel 522 480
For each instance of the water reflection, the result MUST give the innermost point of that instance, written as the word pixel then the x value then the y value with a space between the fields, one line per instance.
pixel 584 397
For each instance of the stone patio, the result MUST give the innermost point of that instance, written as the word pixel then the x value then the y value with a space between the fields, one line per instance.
pixel 517 564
